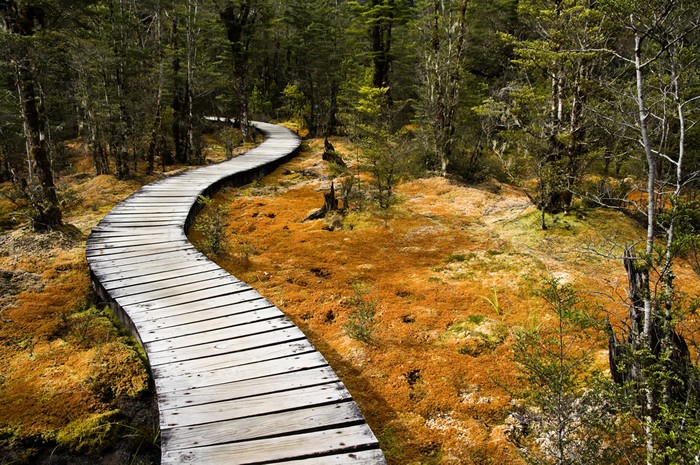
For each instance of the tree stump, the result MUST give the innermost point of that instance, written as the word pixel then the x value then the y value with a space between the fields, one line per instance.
pixel 331 156
pixel 330 203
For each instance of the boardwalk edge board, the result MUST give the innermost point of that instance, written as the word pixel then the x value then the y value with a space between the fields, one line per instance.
pixel 236 381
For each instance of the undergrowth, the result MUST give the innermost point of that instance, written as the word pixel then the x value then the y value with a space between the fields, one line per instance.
pixel 361 321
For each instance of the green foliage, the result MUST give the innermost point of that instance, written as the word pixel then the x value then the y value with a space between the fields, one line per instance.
pixel 477 334
pixel 212 226
pixel 493 301
pixel 319 59
pixel 674 423
pixel 88 435
pixel 540 124
pixel 68 197
pixel 361 321
pixel 384 148
pixel 569 417
pixel 296 104
pixel 446 92
pixel 260 105
pixel 89 328
pixel 230 138
pixel 337 171
pixel 685 216
pixel 456 257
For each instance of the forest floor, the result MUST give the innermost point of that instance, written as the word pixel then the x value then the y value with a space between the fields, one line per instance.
pixel 450 269
pixel 453 273
pixel 74 386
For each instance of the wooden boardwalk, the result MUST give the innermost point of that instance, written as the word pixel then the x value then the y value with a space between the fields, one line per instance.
pixel 237 382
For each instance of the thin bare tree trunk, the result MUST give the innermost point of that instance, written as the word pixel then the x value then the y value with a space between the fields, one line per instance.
pixel 15 19
pixel 42 193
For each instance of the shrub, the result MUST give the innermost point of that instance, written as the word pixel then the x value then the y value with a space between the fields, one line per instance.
pixel 361 322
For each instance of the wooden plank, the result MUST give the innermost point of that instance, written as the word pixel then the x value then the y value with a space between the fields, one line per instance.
pixel 161 298
pixel 153 278
pixel 183 255
pixel 138 211
pixel 142 208
pixel 106 237
pixel 131 241
pixel 191 297
pixel 338 440
pixel 126 254
pixel 142 213
pixel 271 425
pixel 220 334
pixel 263 360
pixel 251 406
pixel 364 457
pixel 142 224
pixel 174 286
pixel 228 304
pixel 125 251
pixel 122 272
pixel 145 220
pixel 258 367
pixel 180 354
pixel 156 203
pixel 167 328
pixel 276 382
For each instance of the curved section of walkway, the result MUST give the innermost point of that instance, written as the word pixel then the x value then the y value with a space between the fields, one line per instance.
pixel 237 382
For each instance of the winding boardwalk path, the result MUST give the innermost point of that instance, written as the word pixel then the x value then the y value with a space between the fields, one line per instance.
pixel 236 381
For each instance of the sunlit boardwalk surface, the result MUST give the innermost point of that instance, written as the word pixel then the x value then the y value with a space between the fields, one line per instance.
pixel 237 382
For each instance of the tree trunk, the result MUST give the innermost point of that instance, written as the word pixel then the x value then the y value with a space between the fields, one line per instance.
pixel 238 20
pixel 381 46
pixel 332 122
pixel 179 105
pixel 192 151
pixel 22 20
pixel 44 199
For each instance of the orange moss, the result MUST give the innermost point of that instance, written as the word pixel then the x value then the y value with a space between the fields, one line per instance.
pixel 50 351
pixel 447 254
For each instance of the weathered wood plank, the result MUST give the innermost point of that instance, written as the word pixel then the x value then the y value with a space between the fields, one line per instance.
pixel 228 304
pixel 185 254
pixel 276 382
pixel 118 253
pixel 173 286
pixel 131 241
pixel 216 334
pixel 141 256
pixel 114 273
pixel 167 328
pixel 270 425
pixel 153 279
pixel 337 440
pixel 180 354
pixel 364 457
pixel 218 289
pixel 259 367
pixel 264 404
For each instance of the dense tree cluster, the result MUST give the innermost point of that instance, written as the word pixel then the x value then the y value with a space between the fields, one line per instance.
pixel 567 99
pixel 548 94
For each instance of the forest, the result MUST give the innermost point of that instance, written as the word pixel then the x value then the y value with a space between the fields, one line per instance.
pixel 583 109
